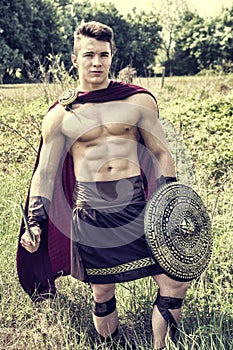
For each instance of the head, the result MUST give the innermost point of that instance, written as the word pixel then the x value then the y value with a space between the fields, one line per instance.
pixel 96 30
pixel 93 50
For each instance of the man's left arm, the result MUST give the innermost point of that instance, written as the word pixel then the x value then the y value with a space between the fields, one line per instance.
pixel 154 139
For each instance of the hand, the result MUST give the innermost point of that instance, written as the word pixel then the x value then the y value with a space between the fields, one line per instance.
pixel 26 241
pixel 165 180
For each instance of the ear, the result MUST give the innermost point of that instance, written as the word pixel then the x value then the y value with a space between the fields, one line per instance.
pixel 74 60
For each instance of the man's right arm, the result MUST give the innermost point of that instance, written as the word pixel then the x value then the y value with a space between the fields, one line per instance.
pixel 51 152
pixel 42 184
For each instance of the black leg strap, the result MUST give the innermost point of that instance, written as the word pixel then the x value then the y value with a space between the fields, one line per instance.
pixel 164 304
pixel 104 309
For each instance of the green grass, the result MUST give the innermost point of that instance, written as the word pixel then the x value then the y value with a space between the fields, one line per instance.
pixel 200 110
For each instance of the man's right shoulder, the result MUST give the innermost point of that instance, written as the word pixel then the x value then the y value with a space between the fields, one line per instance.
pixel 53 119
pixel 57 111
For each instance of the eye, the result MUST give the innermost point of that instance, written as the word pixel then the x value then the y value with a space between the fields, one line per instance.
pixel 105 54
pixel 88 54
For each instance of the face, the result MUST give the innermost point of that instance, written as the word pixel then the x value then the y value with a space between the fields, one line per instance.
pixel 93 62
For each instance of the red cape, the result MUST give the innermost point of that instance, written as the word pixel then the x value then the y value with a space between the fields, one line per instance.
pixel 37 272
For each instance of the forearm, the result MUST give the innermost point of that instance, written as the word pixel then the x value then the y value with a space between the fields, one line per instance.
pixel 38 211
pixel 37 221
pixel 155 141
pixel 164 164
pixel 42 185
pixel 166 172
pixel 52 151
pixel 41 191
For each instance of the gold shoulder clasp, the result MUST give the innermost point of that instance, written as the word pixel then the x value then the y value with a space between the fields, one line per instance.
pixel 68 97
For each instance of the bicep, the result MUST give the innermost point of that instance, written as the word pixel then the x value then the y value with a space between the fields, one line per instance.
pixel 52 151
pixel 151 130
pixel 154 139
pixel 53 140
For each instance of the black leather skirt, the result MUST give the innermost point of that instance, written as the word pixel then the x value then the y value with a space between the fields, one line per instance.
pixel 108 242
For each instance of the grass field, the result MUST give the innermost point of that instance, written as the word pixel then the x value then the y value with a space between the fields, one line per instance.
pixel 197 115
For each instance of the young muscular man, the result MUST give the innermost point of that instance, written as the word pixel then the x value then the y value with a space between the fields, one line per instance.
pixel 108 243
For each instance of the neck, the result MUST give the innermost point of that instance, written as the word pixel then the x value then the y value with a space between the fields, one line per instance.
pixel 83 86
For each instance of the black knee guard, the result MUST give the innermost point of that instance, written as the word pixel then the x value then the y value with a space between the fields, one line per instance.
pixel 104 309
pixel 165 303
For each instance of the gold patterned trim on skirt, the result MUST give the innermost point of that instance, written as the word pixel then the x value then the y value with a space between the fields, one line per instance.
pixel 132 265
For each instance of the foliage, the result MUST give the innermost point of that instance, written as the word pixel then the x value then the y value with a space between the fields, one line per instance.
pixel 200 109
pixel 202 43
pixel 170 12
pixel 22 51
pixel 25 34
pixel 224 29
pixel 141 30
pixel 31 31
pixel 145 34
pixel 187 31
pixel 214 124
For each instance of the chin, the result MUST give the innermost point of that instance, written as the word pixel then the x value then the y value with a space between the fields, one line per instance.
pixel 98 81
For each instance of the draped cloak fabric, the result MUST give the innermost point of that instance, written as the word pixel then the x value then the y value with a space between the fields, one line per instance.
pixel 38 271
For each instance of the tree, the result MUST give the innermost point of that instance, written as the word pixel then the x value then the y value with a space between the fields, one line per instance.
pixel 144 40
pixel 14 36
pixel 28 29
pixel 224 30
pixel 203 43
pixel 170 12
pixel 44 35
pixel 32 30
pixel 197 45
pixel 137 37
pixel 68 14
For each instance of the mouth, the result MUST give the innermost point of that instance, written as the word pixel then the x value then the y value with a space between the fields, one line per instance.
pixel 96 72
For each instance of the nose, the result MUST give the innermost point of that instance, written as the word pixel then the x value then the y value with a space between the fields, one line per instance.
pixel 97 61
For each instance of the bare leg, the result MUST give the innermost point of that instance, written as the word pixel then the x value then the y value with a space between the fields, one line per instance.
pixel 168 288
pixel 105 325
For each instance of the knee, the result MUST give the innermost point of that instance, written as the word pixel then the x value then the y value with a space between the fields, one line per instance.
pixel 103 292
pixel 178 289
pixel 174 289
pixel 183 287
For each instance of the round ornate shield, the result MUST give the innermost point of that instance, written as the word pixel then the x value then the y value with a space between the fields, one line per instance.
pixel 177 229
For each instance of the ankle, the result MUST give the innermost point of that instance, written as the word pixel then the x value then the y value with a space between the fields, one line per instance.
pixel 109 338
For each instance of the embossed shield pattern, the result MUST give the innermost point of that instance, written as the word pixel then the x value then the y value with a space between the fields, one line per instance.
pixel 178 231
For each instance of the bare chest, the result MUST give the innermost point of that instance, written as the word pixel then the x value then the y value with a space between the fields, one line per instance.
pixel 92 121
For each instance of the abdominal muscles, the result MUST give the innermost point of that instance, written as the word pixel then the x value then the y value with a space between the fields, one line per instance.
pixel 107 158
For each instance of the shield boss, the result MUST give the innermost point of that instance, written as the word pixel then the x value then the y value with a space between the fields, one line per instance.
pixel 177 229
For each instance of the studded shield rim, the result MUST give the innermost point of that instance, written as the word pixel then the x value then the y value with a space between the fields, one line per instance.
pixel 178 232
